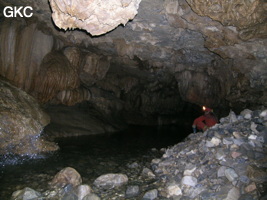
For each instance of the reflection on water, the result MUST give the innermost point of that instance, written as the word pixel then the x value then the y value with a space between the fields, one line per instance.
pixel 91 156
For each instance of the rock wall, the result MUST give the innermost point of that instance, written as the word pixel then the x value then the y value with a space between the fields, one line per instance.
pixel 21 123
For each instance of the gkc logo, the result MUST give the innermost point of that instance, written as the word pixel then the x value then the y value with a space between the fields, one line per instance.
pixel 15 11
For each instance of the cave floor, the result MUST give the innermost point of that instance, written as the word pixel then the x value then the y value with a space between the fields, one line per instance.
pixel 91 156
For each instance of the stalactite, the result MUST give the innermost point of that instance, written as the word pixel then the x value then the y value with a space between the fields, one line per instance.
pixel 71 97
pixel 56 74
pixel 8 38
pixel 22 49
pixel 74 55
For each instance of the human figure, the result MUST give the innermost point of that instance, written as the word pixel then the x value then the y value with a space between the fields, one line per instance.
pixel 205 121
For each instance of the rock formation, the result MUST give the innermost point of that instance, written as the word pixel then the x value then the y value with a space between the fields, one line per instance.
pixel 95 16
pixel 21 123
pixel 56 74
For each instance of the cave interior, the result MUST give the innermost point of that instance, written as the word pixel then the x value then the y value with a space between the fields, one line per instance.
pixel 157 65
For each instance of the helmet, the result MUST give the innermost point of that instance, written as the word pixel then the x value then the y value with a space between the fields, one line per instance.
pixel 206 109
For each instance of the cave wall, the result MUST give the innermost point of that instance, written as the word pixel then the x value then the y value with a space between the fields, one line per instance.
pixel 169 55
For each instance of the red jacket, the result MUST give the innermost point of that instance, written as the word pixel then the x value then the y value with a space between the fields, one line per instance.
pixel 208 120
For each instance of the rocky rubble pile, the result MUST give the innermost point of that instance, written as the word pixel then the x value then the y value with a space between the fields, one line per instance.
pixel 228 161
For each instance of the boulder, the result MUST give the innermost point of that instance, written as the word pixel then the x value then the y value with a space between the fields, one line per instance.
pixel 21 123
pixel 65 177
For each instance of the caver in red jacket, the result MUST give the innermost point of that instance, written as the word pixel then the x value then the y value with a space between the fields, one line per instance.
pixel 205 121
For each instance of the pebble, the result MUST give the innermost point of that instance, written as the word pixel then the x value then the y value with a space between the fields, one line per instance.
pixel 132 191
pixel 91 197
pixel 65 177
pixel 26 194
pixel 189 180
pixel 151 194
pixel 235 154
pixel 263 114
pixel 173 190
pixel 83 190
pixel 216 141
pixel 230 174
pixel 251 187
pixel 108 181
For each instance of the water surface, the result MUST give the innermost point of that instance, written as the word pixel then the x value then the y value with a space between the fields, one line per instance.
pixel 91 156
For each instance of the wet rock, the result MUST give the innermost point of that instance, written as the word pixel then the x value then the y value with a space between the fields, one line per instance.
pixel 251 187
pixel 66 176
pixel 233 194
pixel 209 144
pixel 147 173
pixel 196 191
pixel 83 190
pixel 246 113
pixel 232 117
pixel 173 190
pixel 230 174
pixel 235 154
pixel 220 154
pixel 221 171
pixel 132 191
pixel 69 194
pixel 207 195
pixel 26 194
pixel 189 180
pixel 150 195
pixel 109 181
pixel 246 197
pixel 263 114
pixel 91 197
pixel 189 169
pixel 133 165
pixel 21 123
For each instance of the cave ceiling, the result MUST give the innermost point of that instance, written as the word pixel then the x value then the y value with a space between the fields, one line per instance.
pixel 141 55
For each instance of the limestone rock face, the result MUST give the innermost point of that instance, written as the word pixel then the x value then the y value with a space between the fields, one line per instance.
pixel 21 123
pixel 240 13
pixel 94 69
pixel 95 16
pixel 199 87
pixel 248 16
